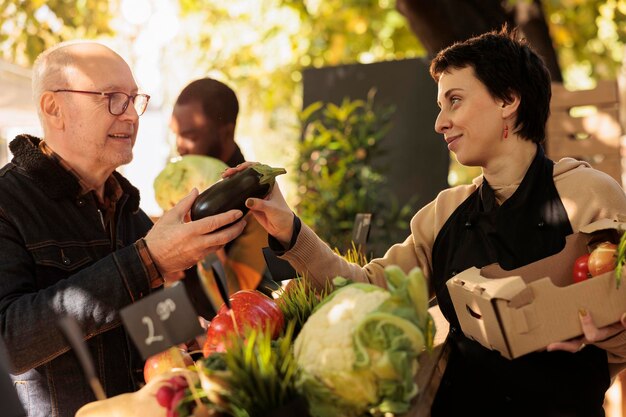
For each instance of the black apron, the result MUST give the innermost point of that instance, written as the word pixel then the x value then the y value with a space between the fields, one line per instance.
pixel 530 225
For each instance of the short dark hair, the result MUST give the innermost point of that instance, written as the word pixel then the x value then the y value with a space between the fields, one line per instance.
pixel 505 65
pixel 219 101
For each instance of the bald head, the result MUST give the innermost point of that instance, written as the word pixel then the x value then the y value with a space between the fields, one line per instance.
pixel 73 86
pixel 56 67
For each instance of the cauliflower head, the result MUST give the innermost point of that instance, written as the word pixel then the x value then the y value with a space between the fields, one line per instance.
pixel 358 351
pixel 324 346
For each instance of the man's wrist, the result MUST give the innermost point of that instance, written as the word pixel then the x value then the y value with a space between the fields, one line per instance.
pixel 155 276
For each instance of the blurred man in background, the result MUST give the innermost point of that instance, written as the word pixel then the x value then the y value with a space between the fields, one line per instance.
pixel 204 119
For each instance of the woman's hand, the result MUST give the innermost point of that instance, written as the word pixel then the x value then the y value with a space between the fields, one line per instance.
pixel 591 334
pixel 272 213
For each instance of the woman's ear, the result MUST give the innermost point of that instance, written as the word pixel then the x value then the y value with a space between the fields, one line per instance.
pixel 51 110
pixel 510 105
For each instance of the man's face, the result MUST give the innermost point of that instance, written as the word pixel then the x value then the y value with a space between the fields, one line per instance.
pixel 97 138
pixel 195 133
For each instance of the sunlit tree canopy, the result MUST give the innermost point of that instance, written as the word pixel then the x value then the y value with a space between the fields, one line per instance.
pixel 261 47
pixel 279 37
pixel 28 27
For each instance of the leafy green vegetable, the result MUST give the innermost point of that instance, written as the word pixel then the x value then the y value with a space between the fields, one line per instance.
pixel 299 301
pixel 215 362
pixel 358 351
pixel 181 175
pixel 262 373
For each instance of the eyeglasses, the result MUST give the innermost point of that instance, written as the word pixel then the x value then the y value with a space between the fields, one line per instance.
pixel 118 101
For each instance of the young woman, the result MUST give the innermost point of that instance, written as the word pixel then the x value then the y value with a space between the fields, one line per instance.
pixel 494 94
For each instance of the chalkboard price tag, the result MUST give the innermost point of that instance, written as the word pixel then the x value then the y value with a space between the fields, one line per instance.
pixel 161 320
pixel 361 230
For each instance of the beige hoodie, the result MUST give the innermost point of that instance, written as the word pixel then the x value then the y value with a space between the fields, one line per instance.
pixel 587 195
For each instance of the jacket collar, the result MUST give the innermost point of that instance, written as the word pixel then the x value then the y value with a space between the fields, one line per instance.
pixel 51 177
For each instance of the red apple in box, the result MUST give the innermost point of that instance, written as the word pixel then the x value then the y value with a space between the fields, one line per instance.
pixel 165 361
pixel 251 309
pixel 602 259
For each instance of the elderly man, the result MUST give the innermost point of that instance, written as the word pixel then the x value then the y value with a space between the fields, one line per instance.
pixel 74 241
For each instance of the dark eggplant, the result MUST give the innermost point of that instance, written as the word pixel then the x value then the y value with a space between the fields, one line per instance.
pixel 231 193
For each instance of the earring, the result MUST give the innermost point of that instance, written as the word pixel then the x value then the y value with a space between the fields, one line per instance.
pixel 506 131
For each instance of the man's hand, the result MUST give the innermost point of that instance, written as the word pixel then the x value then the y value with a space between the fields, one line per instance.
pixel 272 213
pixel 175 244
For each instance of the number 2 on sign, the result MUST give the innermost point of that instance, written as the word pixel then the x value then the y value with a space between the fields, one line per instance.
pixel 151 336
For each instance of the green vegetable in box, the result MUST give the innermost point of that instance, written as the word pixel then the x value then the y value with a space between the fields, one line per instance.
pixel 358 351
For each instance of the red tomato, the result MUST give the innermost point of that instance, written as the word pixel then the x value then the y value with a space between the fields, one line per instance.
pixel 581 268
pixel 602 259
pixel 252 309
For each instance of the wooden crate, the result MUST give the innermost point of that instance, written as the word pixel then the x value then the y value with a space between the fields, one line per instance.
pixel 594 138
pixel 431 368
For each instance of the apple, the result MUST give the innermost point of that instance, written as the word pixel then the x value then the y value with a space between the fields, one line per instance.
pixel 216 337
pixel 602 259
pixel 165 361
pixel 252 309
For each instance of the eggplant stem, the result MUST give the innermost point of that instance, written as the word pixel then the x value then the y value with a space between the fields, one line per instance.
pixel 268 174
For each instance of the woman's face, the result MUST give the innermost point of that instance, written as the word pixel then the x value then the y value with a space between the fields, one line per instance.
pixel 470 119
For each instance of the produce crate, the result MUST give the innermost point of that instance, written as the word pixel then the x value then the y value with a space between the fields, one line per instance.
pixel 523 310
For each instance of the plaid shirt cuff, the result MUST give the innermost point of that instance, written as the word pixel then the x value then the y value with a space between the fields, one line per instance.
pixel 156 279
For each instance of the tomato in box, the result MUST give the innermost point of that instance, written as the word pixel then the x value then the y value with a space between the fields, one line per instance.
pixel 581 268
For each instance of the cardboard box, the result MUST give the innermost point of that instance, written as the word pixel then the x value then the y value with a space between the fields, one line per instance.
pixel 523 310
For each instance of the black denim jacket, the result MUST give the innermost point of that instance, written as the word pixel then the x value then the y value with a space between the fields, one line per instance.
pixel 56 259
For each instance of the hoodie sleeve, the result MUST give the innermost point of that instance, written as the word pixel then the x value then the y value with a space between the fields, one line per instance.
pixel 590 195
pixel 311 257
pixel 587 194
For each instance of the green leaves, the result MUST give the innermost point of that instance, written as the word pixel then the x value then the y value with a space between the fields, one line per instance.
pixel 28 27
pixel 340 173
pixel 298 302
pixel 262 373
pixel 589 36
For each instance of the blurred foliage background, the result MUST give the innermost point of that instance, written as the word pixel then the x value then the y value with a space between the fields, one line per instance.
pixel 260 47
pixel 589 35
pixel 337 173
